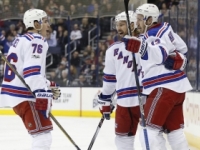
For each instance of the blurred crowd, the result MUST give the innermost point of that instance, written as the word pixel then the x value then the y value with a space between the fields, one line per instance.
pixel 78 54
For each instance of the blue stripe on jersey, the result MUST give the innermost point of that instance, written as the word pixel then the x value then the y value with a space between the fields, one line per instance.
pixel 164 31
pixel 109 78
pixel 26 37
pixel 30 71
pixel 127 92
pixel 16 91
pixel 164 53
pixel 163 79
pixel 37 37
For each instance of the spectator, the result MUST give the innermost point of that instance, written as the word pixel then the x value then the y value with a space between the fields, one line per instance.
pixel 89 49
pixel 109 40
pixel 29 4
pixel 59 70
pixel 81 9
pixel 76 36
pixel 53 76
pixel 64 61
pixel 82 81
pixel 62 11
pixel 21 12
pixel 91 7
pixel 72 74
pixel 86 66
pixel 60 35
pixel 51 38
pixel 53 8
pixel 85 27
pixel 7 11
pixel 42 4
pixel 72 11
pixel 67 4
pixel 63 82
pixel 160 3
pixel 75 60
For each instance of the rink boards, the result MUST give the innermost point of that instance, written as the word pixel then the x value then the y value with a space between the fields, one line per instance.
pixel 82 102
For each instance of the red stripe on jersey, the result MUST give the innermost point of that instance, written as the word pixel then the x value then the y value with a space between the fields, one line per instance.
pixel 174 76
pixel 16 91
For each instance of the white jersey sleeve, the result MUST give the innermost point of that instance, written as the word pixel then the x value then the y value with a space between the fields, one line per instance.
pixel 109 78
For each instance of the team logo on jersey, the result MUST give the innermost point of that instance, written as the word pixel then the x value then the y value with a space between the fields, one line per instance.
pixel 157 41
pixel 36 56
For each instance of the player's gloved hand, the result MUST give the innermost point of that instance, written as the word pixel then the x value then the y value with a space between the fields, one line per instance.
pixel 135 45
pixel 105 105
pixel 176 61
pixel 43 101
pixel 55 89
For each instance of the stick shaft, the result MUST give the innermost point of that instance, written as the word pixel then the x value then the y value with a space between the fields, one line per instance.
pixel 126 2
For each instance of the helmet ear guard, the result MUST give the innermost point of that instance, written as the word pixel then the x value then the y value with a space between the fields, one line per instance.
pixel 32 15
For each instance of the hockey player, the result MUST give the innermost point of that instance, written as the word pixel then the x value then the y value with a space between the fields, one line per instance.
pixel 119 75
pixel 28 56
pixel 164 81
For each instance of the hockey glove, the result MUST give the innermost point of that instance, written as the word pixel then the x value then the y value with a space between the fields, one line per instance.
pixel 55 90
pixel 175 61
pixel 43 102
pixel 105 105
pixel 135 45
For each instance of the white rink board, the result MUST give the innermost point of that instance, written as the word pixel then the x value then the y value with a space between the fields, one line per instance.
pixel 192 118
pixel 69 100
pixel 192 113
pixel 89 98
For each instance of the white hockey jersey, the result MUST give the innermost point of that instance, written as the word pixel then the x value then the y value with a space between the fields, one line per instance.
pixel 28 55
pixel 119 75
pixel 161 41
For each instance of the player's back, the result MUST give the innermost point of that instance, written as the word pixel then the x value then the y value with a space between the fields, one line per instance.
pixel 28 56
pixel 119 69
pixel 155 73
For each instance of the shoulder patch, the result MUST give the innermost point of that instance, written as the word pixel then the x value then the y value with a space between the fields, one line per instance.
pixel 171 37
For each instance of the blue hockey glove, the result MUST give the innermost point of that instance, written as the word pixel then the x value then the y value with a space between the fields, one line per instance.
pixel 176 61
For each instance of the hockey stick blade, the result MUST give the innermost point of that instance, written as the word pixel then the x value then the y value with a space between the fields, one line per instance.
pixel 50 114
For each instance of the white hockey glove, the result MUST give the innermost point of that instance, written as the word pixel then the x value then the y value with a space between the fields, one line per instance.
pixel 135 45
pixel 176 61
pixel 105 105
pixel 55 89
pixel 43 101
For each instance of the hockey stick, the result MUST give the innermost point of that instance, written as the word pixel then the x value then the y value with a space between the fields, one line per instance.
pixel 50 114
pixel 126 2
pixel 99 126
